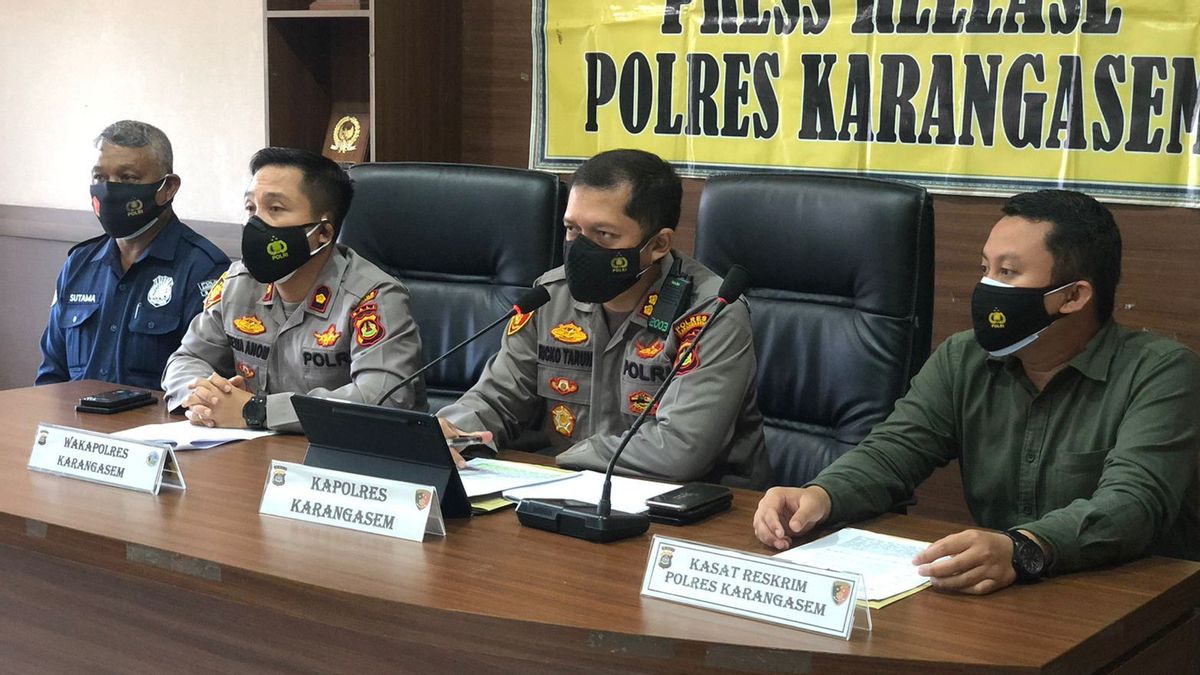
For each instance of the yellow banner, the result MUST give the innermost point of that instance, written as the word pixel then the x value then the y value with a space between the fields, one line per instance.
pixel 965 96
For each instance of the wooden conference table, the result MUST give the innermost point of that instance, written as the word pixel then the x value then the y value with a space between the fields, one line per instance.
pixel 102 579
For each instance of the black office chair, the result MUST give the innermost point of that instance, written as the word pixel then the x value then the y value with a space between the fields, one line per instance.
pixel 466 240
pixel 841 301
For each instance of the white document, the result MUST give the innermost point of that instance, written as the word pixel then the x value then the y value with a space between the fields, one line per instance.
pixel 187 436
pixel 885 562
pixel 628 494
pixel 492 476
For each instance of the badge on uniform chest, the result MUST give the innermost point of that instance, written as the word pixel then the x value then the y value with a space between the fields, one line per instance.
pixel 673 300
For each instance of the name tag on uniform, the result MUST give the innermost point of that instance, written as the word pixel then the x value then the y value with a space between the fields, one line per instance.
pixel 364 503
pixel 103 458
pixel 752 586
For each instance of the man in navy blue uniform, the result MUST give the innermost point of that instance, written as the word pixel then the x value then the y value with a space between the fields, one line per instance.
pixel 123 300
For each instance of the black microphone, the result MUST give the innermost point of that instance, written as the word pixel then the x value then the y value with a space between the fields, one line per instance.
pixel 577 519
pixel 530 300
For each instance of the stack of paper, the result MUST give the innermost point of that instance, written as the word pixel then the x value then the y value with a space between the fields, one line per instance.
pixel 885 562
pixel 187 436
pixel 628 494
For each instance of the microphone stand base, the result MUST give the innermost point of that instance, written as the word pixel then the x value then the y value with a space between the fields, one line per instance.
pixel 580 520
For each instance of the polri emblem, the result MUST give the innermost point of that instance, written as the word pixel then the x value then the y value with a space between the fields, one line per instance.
pixel 841 592
pixel 570 333
pixel 250 325
pixel 278 475
pixel 563 386
pixel 160 291
pixel 664 557
pixel 423 497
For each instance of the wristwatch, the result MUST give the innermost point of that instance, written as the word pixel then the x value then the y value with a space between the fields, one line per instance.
pixel 255 412
pixel 1029 560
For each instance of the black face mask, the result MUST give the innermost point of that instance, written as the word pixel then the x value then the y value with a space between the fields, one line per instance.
pixel 126 210
pixel 273 253
pixel 1007 318
pixel 598 274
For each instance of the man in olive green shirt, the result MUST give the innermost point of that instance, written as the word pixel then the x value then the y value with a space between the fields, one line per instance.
pixel 1077 438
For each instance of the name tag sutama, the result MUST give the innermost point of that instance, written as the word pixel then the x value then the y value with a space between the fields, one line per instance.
pixel 752 586
pixel 101 458
pixel 364 503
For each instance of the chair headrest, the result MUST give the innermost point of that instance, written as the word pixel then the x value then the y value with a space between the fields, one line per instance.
pixel 810 235
pixel 456 221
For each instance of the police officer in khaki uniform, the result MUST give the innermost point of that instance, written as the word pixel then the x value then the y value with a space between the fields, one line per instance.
pixel 298 313
pixel 620 310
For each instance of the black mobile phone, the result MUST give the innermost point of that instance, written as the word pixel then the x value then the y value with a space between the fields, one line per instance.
pixel 114 401
pixel 689 497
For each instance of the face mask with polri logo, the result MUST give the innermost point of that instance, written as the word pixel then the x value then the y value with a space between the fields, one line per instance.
pixel 1007 318
pixel 273 254
pixel 126 210
pixel 598 274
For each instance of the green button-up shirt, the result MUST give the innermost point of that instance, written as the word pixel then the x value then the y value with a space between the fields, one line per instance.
pixel 1101 465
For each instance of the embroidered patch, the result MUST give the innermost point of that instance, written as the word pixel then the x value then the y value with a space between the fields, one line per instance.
pixel 570 333
pixel 328 337
pixel 245 370
pixel 320 299
pixel 638 401
pixel 517 323
pixel 692 359
pixel 691 323
pixel 564 420
pixel 214 293
pixel 648 351
pixel 563 386
pixel 648 308
pixel 160 291
pixel 206 286
pixel 368 329
pixel 250 325
pixel 368 297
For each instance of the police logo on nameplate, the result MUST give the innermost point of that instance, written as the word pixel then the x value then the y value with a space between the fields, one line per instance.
pixel 391 508
pixel 103 458
pixel 754 586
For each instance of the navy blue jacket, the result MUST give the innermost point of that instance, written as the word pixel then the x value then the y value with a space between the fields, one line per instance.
pixel 120 326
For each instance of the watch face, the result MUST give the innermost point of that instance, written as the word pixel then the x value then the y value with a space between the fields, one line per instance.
pixel 1030 558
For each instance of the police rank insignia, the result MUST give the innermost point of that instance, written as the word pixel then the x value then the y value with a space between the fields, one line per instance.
pixel 269 293
pixel 693 322
pixel 563 419
pixel 563 386
pixel 517 323
pixel 648 351
pixel 160 291
pixel 214 293
pixel 327 337
pixel 570 333
pixel 320 299
pixel 250 325
pixel 245 370
pixel 648 308
pixel 368 329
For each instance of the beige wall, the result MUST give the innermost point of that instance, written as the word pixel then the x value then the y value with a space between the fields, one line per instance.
pixel 193 68
pixel 68 68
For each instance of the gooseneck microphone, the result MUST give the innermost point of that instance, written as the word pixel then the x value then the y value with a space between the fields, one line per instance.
pixel 529 300
pixel 600 523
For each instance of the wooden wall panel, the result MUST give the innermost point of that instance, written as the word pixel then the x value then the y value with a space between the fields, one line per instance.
pixel 1158 291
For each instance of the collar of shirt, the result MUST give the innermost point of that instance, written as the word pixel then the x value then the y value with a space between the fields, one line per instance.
pixel 164 246
pixel 328 281
pixel 1093 362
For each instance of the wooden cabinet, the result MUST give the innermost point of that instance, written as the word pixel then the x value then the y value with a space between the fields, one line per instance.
pixel 398 60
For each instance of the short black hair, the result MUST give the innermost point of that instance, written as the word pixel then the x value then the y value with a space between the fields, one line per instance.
pixel 655 189
pixel 1083 240
pixel 135 134
pixel 327 185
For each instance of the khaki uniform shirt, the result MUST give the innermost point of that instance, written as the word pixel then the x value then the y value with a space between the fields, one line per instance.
pixel 353 338
pixel 1100 465
pixel 591 386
